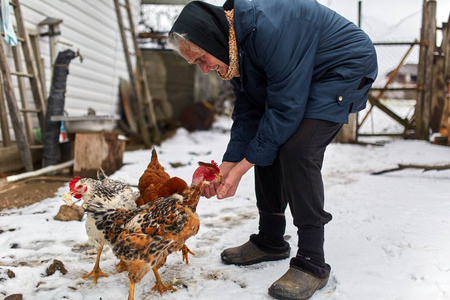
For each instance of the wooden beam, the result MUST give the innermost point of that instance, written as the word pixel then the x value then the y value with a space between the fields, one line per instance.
pixel 425 71
pixel 404 122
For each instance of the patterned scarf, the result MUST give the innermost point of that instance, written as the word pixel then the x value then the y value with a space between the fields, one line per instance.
pixel 233 68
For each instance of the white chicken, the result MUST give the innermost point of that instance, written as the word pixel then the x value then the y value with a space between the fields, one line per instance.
pixel 113 194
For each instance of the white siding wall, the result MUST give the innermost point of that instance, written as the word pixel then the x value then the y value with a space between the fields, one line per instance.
pixel 90 26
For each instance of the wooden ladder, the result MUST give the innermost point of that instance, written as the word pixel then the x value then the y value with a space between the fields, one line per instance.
pixel 139 83
pixel 21 131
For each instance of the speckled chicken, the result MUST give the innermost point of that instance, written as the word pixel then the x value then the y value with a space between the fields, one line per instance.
pixel 154 183
pixel 112 194
pixel 143 237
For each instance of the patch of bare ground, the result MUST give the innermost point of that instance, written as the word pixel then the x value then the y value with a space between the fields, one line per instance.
pixel 29 191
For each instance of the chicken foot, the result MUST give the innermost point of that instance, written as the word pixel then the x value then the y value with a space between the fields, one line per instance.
pixel 96 271
pixel 161 287
pixel 121 266
pixel 185 251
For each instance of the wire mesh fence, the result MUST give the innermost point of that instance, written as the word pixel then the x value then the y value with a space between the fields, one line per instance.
pixel 397 72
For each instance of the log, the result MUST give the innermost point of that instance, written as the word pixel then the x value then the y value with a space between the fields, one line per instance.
pixel 413 166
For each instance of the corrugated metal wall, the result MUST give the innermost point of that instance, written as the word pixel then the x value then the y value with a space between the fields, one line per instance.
pixel 92 28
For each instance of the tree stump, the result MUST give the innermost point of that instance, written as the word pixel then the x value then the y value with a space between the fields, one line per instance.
pixel 97 150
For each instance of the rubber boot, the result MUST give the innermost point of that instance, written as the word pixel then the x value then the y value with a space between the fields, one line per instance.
pixel 254 251
pixel 301 281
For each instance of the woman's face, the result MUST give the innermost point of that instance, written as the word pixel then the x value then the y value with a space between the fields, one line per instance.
pixel 196 55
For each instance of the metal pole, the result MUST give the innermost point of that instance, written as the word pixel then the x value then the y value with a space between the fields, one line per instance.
pixel 359 13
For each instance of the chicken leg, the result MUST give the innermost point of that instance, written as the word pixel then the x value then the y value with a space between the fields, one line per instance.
pixel 161 287
pixel 96 271
pixel 185 251
pixel 121 266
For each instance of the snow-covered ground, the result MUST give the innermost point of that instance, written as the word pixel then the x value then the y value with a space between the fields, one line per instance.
pixel 389 237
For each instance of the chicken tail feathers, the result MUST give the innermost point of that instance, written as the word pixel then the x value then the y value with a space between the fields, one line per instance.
pixel 101 174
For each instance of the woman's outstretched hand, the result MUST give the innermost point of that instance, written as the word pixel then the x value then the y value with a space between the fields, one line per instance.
pixel 231 176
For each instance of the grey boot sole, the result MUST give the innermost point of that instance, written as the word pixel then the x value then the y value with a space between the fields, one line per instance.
pixel 296 284
pixel 249 254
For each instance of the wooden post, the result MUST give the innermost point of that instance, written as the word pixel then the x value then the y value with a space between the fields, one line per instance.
pixel 439 92
pixel 347 134
pixel 425 71
pixel 445 121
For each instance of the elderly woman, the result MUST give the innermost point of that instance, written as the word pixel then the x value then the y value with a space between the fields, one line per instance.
pixel 298 69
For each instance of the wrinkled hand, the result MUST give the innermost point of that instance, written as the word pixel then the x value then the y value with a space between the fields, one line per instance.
pixel 231 176
pixel 210 190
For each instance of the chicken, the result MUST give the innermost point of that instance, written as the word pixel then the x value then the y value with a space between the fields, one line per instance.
pixel 156 182
pixel 113 194
pixel 143 237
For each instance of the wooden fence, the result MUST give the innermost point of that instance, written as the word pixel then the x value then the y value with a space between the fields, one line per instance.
pixel 432 109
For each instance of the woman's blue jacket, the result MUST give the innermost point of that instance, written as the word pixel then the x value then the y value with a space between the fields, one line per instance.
pixel 297 59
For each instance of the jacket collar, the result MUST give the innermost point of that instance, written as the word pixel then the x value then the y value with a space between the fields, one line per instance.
pixel 244 16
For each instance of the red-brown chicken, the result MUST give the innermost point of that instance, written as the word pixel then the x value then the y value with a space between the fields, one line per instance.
pixel 143 237
pixel 155 182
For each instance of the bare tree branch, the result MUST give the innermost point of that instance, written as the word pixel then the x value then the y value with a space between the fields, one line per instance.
pixel 412 166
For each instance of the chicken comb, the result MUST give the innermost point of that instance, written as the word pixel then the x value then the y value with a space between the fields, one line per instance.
pixel 215 165
pixel 73 182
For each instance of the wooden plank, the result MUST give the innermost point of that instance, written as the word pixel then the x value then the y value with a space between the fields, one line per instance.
pixel 14 113
pixel 11 161
pixel 6 138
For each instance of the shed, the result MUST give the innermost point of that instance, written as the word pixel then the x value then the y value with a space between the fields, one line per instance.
pixel 90 27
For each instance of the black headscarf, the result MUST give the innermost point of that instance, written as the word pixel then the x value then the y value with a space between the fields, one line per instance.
pixel 206 26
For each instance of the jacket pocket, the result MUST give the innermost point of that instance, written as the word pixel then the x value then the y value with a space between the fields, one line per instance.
pixel 356 95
